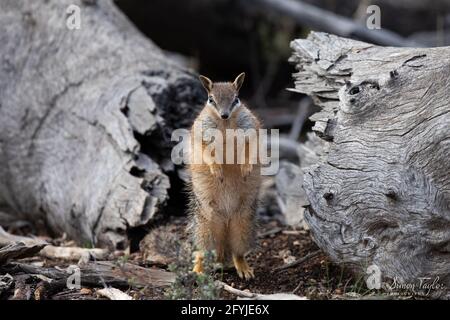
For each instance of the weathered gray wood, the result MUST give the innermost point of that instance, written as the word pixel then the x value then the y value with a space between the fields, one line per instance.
pixel 19 250
pixel 290 196
pixel 99 274
pixel 6 281
pixel 85 119
pixel 379 186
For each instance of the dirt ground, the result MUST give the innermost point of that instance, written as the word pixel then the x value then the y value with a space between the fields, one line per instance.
pixel 315 278
pixel 277 245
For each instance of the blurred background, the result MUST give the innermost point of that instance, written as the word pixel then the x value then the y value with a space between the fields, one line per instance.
pixel 221 38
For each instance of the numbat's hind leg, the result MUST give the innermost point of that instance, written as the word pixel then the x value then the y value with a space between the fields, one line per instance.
pixel 240 237
pixel 198 262
pixel 242 267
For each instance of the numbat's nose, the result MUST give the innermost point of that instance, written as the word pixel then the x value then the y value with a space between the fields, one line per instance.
pixel 224 115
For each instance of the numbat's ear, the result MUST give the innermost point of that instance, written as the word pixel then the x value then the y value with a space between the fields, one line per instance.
pixel 239 81
pixel 206 82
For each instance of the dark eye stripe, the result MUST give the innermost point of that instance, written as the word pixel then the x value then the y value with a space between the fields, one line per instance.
pixel 235 102
pixel 211 101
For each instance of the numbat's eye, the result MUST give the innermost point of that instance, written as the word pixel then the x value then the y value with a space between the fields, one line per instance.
pixel 211 101
pixel 236 101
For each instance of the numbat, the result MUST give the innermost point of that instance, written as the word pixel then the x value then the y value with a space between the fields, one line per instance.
pixel 224 194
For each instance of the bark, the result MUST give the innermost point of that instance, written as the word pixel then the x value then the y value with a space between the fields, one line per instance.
pixel 290 196
pixel 97 274
pixel 19 250
pixel 378 183
pixel 85 119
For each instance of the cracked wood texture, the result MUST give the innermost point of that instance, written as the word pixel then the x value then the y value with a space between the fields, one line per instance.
pixel 378 182
pixel 85 119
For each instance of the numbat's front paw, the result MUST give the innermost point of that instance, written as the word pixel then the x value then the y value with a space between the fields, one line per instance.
pixel 243 269
pixel 246 170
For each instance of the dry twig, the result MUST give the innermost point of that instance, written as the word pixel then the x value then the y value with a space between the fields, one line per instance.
pixel 298 261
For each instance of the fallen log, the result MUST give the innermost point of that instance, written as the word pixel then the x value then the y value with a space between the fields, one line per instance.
pixel 50 251
pixel 378 181
pixel 321 19
pixel 73 253
pixel 19 250
pixel 85 119
pixel 97 274
pixel 7 238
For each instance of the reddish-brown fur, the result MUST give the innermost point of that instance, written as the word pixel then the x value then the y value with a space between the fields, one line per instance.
pixel 224 195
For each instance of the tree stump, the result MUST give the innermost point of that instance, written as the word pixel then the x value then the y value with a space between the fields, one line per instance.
pixel 85 119
pixel 379 183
